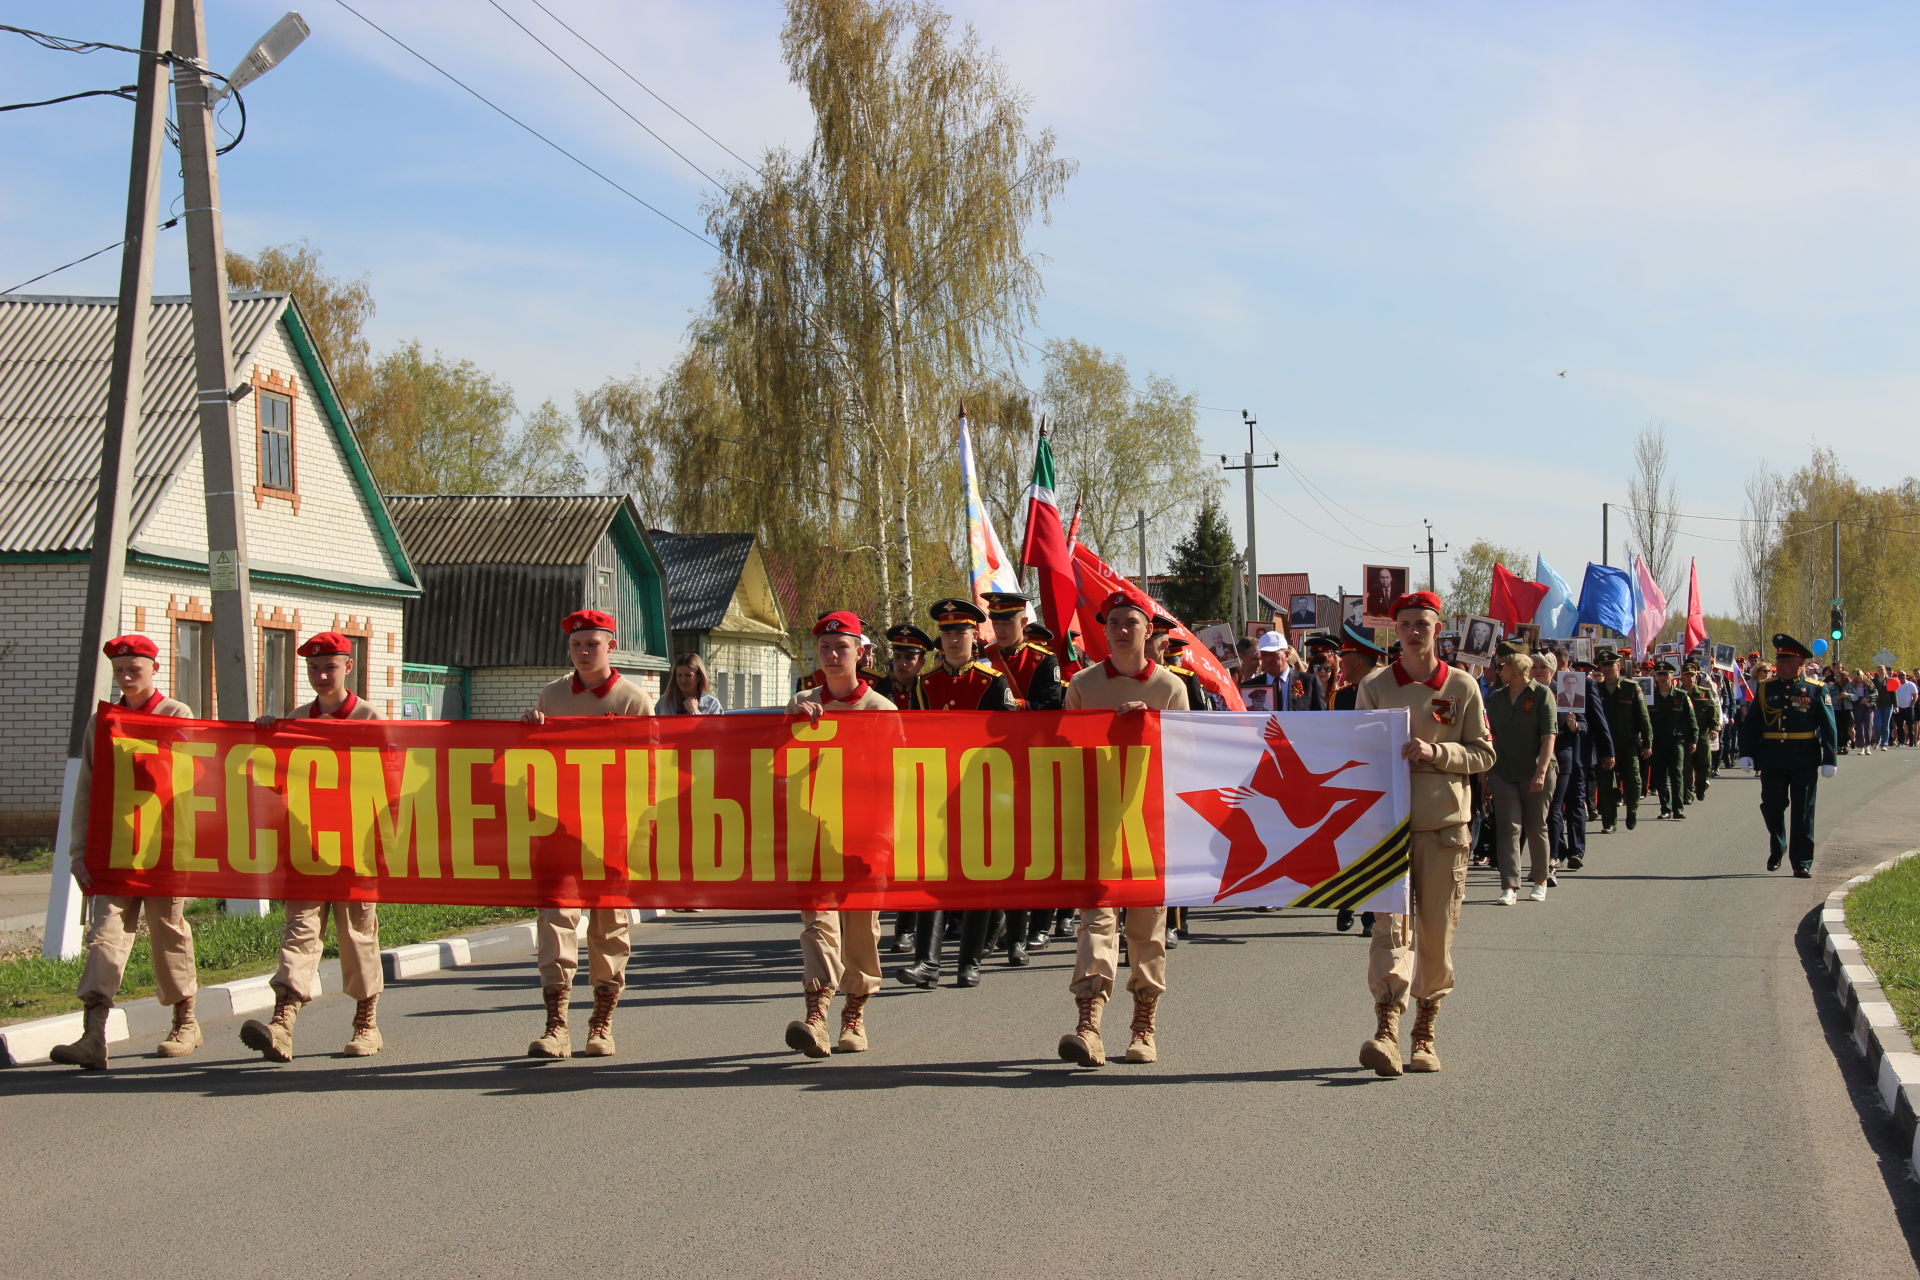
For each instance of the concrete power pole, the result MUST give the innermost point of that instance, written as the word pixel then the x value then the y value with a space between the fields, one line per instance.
pixel 1249 466
pixel 1432 551
pixel 213 377
pixel 126 385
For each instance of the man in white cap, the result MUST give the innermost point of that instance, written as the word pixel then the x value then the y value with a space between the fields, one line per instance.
pixel 1292 690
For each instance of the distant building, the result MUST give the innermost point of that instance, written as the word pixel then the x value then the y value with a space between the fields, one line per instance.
pixel 722 606
pixel 323 552
pixel 498 573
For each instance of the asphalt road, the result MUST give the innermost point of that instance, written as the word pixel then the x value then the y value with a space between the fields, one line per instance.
pixel 1643 1078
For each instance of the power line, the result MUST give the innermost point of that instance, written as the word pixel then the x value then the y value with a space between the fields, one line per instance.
pixel 170 222
pixel 529 128
pixel 124 92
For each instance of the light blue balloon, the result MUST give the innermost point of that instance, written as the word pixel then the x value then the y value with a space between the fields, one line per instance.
pixel 1819 647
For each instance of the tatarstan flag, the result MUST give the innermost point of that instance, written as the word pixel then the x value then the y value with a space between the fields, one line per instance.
pixel 1045 549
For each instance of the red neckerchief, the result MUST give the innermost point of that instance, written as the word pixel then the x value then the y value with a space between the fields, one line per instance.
pixel 1438 678
pixel 1115 673
pixel 859 692
pixel 157 698
pixel 346 708
pixel 598 690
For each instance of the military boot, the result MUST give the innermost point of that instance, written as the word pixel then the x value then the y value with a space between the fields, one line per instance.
pixel 273 1039
pixel 1141 1047
pixel 366 1040
pixel 1424 1058
pixel 808 1035
pixel 1382 1053
pixel 90 1050
pixel 1083 1044
pixel 853 1026
pixel 556 1041
pixel 185 1036
pixel 606 997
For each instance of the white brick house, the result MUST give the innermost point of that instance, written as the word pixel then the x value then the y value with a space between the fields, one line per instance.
pixel 322 549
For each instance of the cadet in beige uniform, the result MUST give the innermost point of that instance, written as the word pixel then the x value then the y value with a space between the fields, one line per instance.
pixel 356 925
pixel 1450 741
pixel 1126 682
pixel 839 950
pixel 110 933
pixel 594 689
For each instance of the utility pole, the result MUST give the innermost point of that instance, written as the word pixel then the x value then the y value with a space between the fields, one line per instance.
pixel 1432 551
pixel 1239 596
pixel 1603 532
pixel 126 384
pixel 1249 466
pixel 213 376
pixel 1833 658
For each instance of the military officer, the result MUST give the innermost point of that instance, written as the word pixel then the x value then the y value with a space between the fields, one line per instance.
pixel 356 925
pixel 115 920
pixel 957 681
pixel 1626 711
pixel 1675 730
pixel 910 646
pixel 1031 671
pixel 594 689
pixel 1706 715
pixel 1590 741
pixel 1790 737
pixel 1359 655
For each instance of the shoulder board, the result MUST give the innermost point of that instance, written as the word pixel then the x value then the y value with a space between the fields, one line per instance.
pixel 981 666
pixel 1813 681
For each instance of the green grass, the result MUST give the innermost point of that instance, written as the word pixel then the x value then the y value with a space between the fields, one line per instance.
pixel 25 861
pixel 225 948
pixel 1884 914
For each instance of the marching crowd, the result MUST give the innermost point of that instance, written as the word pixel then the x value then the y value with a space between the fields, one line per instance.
pixel 1496 763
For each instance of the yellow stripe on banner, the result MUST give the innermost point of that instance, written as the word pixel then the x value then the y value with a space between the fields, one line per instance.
pixel 1364 878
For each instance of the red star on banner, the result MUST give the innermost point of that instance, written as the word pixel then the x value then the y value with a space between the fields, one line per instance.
pixel 1281 799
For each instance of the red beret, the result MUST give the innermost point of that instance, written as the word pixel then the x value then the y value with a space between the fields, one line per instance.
pixel 841 622
pixel 134 646
pixel 1414 600
pixel 589 620
pixel 1118 600
pixel 325 645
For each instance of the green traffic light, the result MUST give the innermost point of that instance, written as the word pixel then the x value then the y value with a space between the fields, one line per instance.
pixel 1835 633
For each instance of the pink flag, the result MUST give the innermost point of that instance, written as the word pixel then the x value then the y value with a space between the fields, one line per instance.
pixel 1696 621
pixel 1650 608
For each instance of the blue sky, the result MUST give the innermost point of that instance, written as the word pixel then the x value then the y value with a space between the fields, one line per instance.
pixel 1384 229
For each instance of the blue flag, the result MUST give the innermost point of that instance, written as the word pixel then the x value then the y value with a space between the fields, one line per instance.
pixel 1606 598
pixel 1558 617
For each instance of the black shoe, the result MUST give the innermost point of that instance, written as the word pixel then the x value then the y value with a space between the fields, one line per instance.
pixel 1803 873
pixel 1575 862
pixel 1553 881
pixel 920 975
pixel 1661 816
pixel 896 943
pixel 1038 941
pixel 1632 821
pixel 1774 860
pixel 1344 920
pixel 1679 814
pixel 1017 953
pixel 969 976
pixel 1607 830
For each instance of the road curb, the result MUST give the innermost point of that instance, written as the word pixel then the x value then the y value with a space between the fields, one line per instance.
pixel 25 1043
pixel 1877 1032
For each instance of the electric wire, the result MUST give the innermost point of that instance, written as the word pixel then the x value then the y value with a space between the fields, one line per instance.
pixel 125 92
pixel 169 223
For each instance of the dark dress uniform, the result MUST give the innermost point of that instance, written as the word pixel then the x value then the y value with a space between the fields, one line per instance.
pixel 1632 729
pixel 1675 728
pixel 1032 674
pixel 1790 736
pixel 904 637
pixel 1580 752
pixel 1706 718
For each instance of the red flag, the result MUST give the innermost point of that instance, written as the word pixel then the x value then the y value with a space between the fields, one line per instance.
pixel 1098 580
pixel 1513 600
pixel 1045 549
pixel 1696 621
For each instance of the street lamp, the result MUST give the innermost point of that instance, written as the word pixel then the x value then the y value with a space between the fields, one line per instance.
pixel 267 53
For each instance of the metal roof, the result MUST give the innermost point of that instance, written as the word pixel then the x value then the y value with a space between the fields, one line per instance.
pixel 703 571
pixel 55 357
pixel 450 529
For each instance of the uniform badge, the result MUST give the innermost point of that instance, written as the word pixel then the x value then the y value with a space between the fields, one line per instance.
pixel 1443 709
pixel 1526 704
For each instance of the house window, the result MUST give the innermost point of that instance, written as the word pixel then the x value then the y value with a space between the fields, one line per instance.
pixel 753 684
pixel 358 644
pixel 276 671
pixel 193 666
pixel 720 689
pixel 276 440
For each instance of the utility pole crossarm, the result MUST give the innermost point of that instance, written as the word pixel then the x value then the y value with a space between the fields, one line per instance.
pixel 1248 465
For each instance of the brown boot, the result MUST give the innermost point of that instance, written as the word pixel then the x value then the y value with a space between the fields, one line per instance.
pixel 555 1041
pixel 366 1039
pixel 1424 1058
pixel 809 1035
pixel 90 1050
pixel 185 1036
pixel 1141 1048
pixel 273 1039
pixel 853 1028
pixel 1084 1045
pixel 1382 1053
pixel 600 1026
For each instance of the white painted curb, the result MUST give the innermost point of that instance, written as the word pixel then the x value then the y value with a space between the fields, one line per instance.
pixel 1877 1032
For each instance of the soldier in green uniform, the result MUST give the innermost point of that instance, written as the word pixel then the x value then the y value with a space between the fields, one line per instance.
pixel 1675 729
pixel 1790 737
pixel 1706 719
pixel 1626 712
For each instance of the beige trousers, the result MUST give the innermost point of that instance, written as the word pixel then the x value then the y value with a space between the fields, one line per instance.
pixel 1520 812
pixel 356 928
pixel 558 932
pixel 1096 958
pixel 110 937
pixel 840 950
pixel 1415 952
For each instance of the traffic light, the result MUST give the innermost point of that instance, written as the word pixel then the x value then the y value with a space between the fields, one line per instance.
pixel 1837 624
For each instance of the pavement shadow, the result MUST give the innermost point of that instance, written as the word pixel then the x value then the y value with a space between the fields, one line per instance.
pixel 1876 1126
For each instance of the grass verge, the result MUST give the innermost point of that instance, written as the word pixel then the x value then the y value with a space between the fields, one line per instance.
pixel 225 947
pixel 1884 914
pixel 25 861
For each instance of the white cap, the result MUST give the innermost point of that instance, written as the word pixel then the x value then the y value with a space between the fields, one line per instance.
pixel 1272 642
